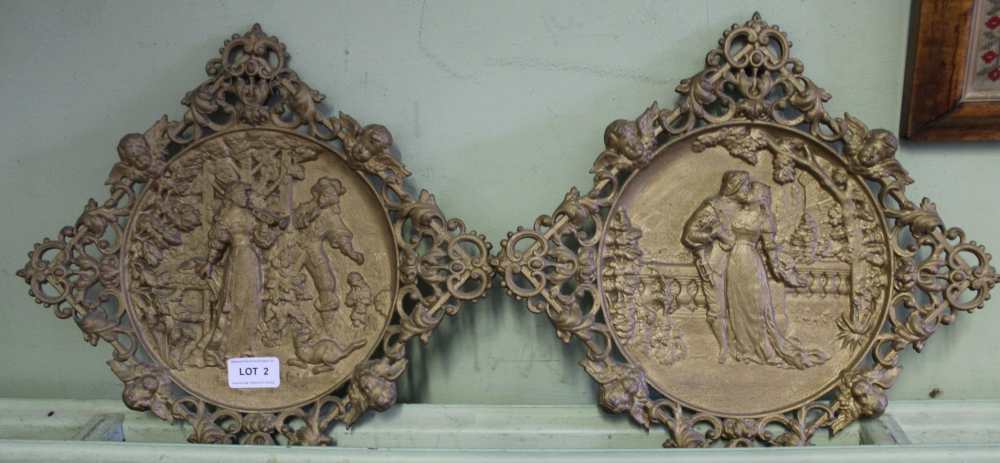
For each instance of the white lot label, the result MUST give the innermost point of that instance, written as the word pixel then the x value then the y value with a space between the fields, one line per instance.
pixel 253 372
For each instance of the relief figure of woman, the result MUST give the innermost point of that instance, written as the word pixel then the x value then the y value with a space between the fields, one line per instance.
pixel 732 235
pixel 755 334
pixel 238 235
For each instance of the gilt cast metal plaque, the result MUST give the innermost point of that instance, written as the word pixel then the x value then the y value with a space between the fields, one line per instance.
pixel 747 268
pixel 256 227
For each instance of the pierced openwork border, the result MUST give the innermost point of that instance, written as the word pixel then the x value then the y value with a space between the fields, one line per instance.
pixel 750 76
pixel 441 264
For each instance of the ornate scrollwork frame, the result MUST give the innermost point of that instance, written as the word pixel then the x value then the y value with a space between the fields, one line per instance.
pixel 79 274
pixel 752 77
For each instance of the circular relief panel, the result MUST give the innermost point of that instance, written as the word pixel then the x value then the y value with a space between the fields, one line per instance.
pixel 259 243
pixel 743 282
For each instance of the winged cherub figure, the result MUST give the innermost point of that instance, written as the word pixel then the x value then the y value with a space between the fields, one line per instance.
pixel 142 155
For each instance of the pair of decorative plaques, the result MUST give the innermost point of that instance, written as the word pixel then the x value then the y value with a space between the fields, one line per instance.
pixel 745 270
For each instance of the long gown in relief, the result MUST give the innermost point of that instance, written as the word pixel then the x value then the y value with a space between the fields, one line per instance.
pixel 240 297
pixel 755 335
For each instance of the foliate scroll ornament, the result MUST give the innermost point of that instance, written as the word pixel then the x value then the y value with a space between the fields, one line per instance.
pixel 751 75
pixel 258 226
pixel 741 237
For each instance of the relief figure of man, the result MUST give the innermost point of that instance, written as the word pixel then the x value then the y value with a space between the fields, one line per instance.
pixel 708 233
pixel 320 221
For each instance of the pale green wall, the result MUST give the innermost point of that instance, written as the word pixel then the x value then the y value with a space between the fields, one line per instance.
pixel 497 107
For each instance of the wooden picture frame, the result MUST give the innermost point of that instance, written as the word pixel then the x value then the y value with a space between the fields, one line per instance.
pixel 937 103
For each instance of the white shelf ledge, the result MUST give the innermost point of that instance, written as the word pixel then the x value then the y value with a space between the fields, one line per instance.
pixel 113 452
pixel 80 431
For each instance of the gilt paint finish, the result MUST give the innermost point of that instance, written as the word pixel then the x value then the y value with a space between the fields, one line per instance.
pixel 259 243
pixel 747 268
pixel 257 226
pixel 731 258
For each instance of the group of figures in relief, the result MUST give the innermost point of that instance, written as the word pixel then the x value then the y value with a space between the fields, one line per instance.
pixel 748 257
pixel 225 262
pixel 731 235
